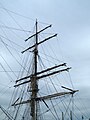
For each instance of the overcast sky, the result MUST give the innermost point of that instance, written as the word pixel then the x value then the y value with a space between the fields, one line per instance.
pixel 71 20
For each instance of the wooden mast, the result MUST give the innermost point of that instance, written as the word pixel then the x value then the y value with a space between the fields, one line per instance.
pixel 34 84
pixel 34 77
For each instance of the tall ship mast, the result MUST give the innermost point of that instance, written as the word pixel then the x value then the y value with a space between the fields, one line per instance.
pixel 36 77
pixel 31 103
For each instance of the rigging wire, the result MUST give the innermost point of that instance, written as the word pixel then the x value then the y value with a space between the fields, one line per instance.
pixel 12 28
pixel 80 111
pixel 51 108
pixel 5 86
pixel 83 106
pixel 13 49
pixel 50 56
pixel 54 109
pixel 56 59
pixel 51 101
pixel 16 13
pixel 17 112
pixel 44 67
pixel 64 60
pixel 20 76
pixel 6 72
pixel 68 106
pixel 73 105
pixel 11 41
pixel 71 82
pixel 2 7
pixel 24 62
pixel 11 53
pixel 13 18
pixel 8 66
pixel 54 88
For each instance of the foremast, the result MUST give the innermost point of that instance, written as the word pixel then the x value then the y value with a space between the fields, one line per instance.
pixel 38 75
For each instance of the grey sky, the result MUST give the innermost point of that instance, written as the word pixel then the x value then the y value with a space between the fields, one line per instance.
pixel 71 19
